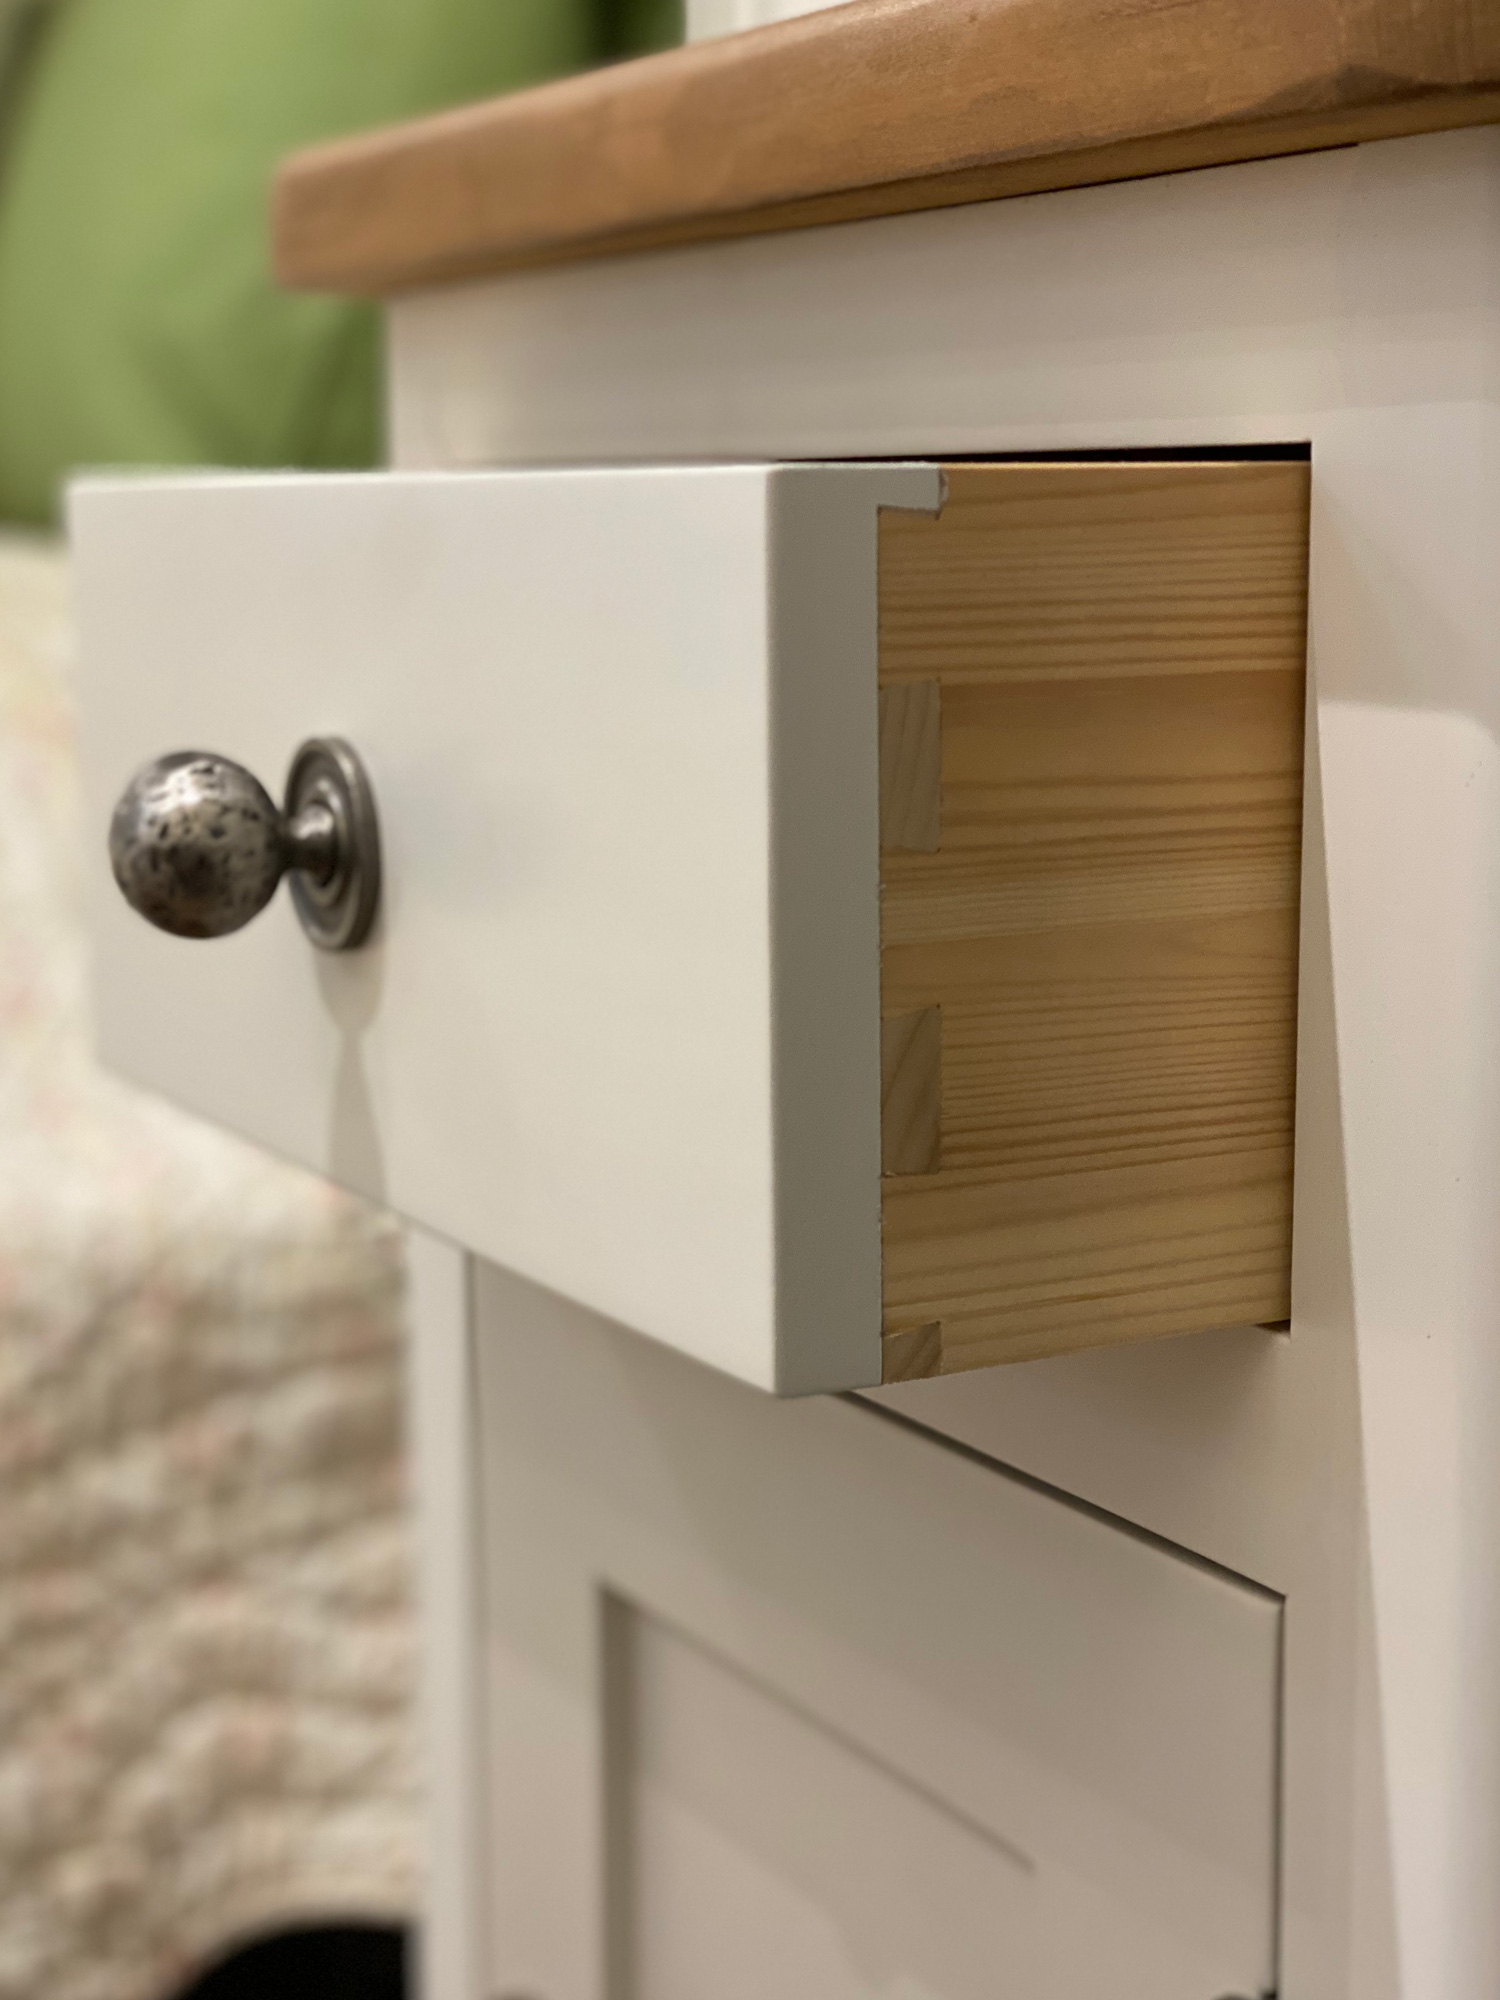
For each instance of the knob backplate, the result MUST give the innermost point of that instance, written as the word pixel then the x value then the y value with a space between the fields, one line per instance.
pixel 335 883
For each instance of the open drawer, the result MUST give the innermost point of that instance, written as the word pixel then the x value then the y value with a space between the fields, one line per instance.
pixel 827 1036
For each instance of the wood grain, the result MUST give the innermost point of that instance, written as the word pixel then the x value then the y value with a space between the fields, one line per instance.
pixel 911 1101
pixel 873 108
pixel 911 796
pixel 1109 926
pixel 912 1354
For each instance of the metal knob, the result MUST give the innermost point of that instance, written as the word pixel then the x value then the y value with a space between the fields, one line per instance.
pixel 198 846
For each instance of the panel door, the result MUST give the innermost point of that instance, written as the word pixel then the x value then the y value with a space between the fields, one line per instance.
pixel 793 1702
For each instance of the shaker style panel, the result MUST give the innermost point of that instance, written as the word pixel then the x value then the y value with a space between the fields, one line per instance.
pixel 790 1698
pixel 838 919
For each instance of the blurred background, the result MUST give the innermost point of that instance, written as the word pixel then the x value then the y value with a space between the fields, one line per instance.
pixel 207 1775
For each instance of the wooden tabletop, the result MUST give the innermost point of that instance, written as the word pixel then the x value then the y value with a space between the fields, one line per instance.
pixel 870 109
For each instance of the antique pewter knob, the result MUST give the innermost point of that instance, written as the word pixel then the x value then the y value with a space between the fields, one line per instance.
pixel 198 846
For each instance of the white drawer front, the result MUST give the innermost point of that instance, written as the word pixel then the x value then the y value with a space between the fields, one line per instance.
pixel 617 1027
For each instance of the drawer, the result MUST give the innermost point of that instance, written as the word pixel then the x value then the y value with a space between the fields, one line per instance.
pixel 840 920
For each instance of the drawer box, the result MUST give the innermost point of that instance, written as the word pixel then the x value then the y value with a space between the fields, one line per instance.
pixel 827 1035
pixel 1096 925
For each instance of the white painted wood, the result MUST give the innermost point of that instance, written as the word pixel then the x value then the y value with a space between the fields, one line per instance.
pixel 1351 299
pixel 787 1700
pixel 1243 303
pixel 728 17
pixel 445 1497
pixel 619 1029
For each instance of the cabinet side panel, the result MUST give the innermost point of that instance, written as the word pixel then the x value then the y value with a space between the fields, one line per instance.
pixel 1108 922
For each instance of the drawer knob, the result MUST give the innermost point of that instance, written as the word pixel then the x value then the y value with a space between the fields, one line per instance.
pixel 198 846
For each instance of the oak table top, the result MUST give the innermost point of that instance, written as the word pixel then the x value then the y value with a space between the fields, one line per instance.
pixel 872 108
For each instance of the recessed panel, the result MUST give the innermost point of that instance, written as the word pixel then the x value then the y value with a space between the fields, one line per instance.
pixel 787 1699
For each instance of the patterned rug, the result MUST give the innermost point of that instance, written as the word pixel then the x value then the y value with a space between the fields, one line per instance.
pixel 205 1634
